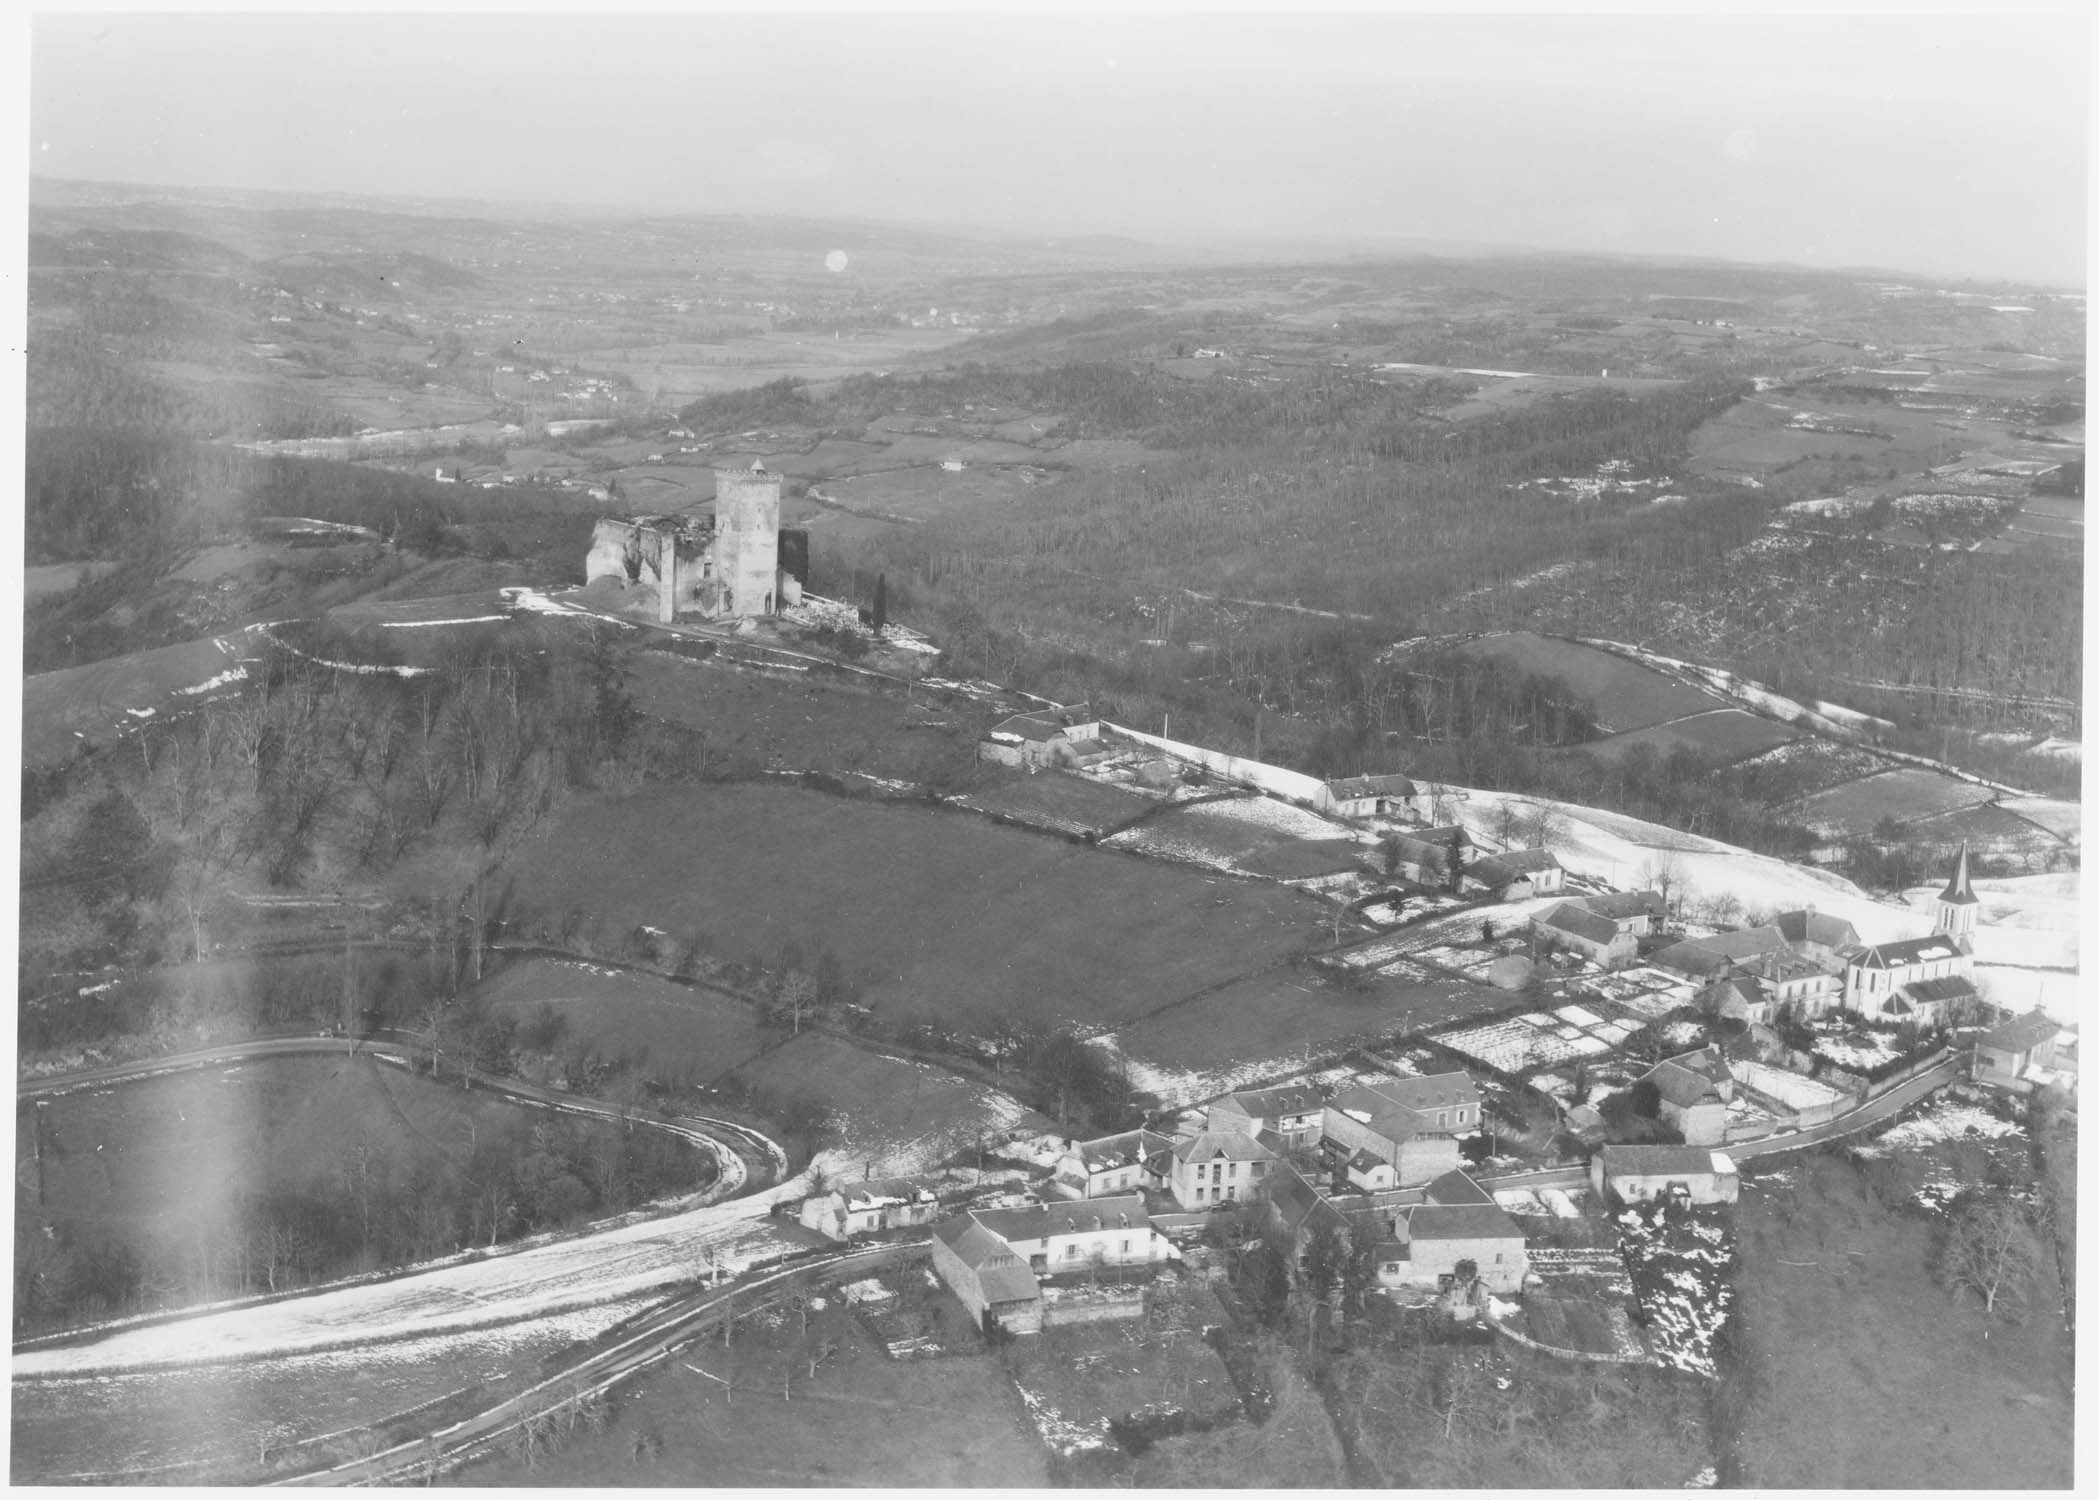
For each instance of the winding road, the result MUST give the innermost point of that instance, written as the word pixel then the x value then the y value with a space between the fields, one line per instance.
pixel 634 1258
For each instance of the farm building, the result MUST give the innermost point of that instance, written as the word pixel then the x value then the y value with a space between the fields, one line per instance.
pixel 735 562
pixel 1284 1118
pixel 1636 912
pixel 1633 1174
pixel 1428 856
pixel 994 1259
pixel 1815 936
pixel 2022 1054
pixel 1214 1167
pixel 1572 928
pixel 1408 1126
pixel 869 1208
pixel 1702 958
pixel 1694 1091
pixel 1112 1165
pixel 1517 875
pixel 1048 737
pixel 1438 1239
pixel 1374 797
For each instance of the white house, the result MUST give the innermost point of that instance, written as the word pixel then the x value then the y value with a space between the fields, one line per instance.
pixel 1216 1167
pixel 1633 1174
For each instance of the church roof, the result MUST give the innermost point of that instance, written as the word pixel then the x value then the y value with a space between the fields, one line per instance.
pixel 1958 892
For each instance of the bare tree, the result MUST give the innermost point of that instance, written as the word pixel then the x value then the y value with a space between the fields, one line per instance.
pixel 1991 1250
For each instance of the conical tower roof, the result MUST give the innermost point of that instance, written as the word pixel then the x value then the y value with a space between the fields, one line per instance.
pixel 1957 892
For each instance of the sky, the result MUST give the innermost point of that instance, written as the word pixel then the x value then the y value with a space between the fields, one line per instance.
pixel 1954 144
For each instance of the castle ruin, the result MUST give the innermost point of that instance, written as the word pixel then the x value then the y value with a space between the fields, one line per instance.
pixel 735 562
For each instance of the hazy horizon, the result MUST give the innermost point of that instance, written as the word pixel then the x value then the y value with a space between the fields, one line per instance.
pixel 1948 145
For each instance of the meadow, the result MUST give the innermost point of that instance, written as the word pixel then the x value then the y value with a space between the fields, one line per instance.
pixel 973 924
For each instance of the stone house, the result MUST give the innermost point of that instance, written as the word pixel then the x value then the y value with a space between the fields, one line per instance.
pixel 1437 1238
pixel 1571 927
pixel 1216 1167
pixel 1399 1131
pixel 869 1208
pixel 1111 1166
pixel 1703 958
pixel 1284 1119
pixel 1633 1174
pixel 1046 737
pixel 1374 797
pixel 995 1260
pixel 1637 912
pixel 1428 856
pixel 2020 1054
pixel 1694 1091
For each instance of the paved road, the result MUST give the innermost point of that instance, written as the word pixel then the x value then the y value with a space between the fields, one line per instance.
pixel 1865 1117
pixel 655 1338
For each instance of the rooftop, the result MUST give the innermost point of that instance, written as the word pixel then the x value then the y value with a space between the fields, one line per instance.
pixel 1660 1161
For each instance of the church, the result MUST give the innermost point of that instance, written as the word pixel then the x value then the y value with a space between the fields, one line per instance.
pixel 1920 979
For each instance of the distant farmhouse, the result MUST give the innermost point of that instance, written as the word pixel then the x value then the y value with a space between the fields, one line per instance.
pixel 1061 737
pixel 1375 797
pixel 735 562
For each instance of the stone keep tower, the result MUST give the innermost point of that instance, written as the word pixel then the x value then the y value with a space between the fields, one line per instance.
pixel 747 538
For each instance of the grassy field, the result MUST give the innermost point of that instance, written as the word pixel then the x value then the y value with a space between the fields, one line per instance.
pixel 891 1115
pixel 1805 766
pixel 1905 794
pixel 1724 733
pixel 1070 804
pixel 864 1420
pixel 95 702
pixel 816 726
pixel 1862 1372
pixel 172 1167
pixel 672 1030
pixel 1624 694
pixel 1293 1012
pixel 944 914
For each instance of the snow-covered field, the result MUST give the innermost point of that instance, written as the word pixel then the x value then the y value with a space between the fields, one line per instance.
pixel 591 1272
pixel 1627 853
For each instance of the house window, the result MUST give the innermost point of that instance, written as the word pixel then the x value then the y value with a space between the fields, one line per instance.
pixel 1232 1191
pixel 1071 1252
pixel 1198 1195
pixel 1234 1172
pixel 1442 1119
pixel 1126 1249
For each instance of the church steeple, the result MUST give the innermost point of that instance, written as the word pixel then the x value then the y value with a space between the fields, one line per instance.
pixel 1957 906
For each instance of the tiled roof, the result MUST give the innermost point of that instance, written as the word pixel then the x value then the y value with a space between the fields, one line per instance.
pixel 1127 1149
pixel 1659 1161
pixel 1454 1188
pixel 1461 1221
pixel 1579 921
pixel 1355 788
pixel 2021 1033
pixel 1271 1104
pixel 1227 1145
pixel 1907 951
pixel 1052 1219
pixel 1939 991
pixel 1007 1283
pixel 1813 927
pixel 1618 905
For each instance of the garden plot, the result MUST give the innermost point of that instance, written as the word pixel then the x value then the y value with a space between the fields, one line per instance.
pixel 1526 1043
pixel 1858 1051
pixel 1649 993
pixel 1789 1089
pixel 1681 1265
pixel 1947 1119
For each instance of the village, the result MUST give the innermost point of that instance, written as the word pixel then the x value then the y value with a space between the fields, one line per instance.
pixel 1560 1175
